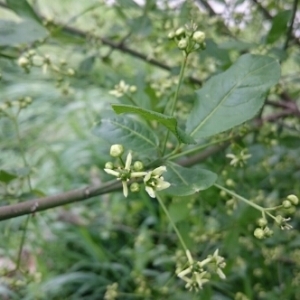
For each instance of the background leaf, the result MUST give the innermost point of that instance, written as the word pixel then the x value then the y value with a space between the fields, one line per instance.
pixel 188 181
pixel 129 132
pixel 279 26
pixel 6 177
pixel 14 34
pixel 167 121
pixel 23 9
pixel 233 97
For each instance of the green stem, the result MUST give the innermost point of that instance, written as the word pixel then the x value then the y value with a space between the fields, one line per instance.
pixel 174 101
pixel 22 242
pixel 258 207
pixel 172 222
pixel 183 65
pixel 131 99
pixel 16 125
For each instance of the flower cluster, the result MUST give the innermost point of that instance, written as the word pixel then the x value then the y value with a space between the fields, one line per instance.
pixel 111 292
pixel 122 88
pixel 263 231
pixel 188 38
pixel 199 272
pixel 153 180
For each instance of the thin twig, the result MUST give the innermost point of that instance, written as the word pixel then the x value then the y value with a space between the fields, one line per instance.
pixel 40 204
pixel 289 33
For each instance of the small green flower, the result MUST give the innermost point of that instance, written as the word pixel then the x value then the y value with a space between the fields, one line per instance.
pixel 155 182
pixel 239 159
pixel 123 174
pixel 283 222
pixel 196 269
pixel 120 89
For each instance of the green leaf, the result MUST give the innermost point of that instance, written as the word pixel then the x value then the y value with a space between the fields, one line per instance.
pixel 23 9
pixel 179 211
pixel 279 26
pixel 15 34
pixel 233 97
pixel 87 64
pixel 129 132
pixel 141 25
pixel 167 121
pixel 6 176
pixel 187 181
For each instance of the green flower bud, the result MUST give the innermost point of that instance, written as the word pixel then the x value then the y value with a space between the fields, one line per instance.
pixel 294 199
pixel 268 232
pixel 23 62
pixel 116 150
pixel 109 165
pixel 171 35
pixel 199 37
pixel 262 222
pixel 182 44
pixel 23 104
pixel 28 100
pixel 223 194
pixel 259 233
pixel 138 166
pixel 286 203
pixel 134 187
pixel 71 72
pixel 31 53
pixel 230 182
pixel 180 32
pixel 132 89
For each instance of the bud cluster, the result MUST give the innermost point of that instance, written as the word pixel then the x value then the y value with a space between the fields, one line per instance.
pixel 21 103
pixel 153 180
pixel 263 231
pixel 188 38
pixel 31 59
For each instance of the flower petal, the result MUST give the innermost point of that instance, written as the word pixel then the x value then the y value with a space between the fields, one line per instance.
pixel 150 191
pixel 125 189
pixel 159 170
pixel 161 185
pixel 112 172
pixel 128 161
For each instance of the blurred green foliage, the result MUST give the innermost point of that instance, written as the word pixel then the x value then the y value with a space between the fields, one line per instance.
pixel 77 251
